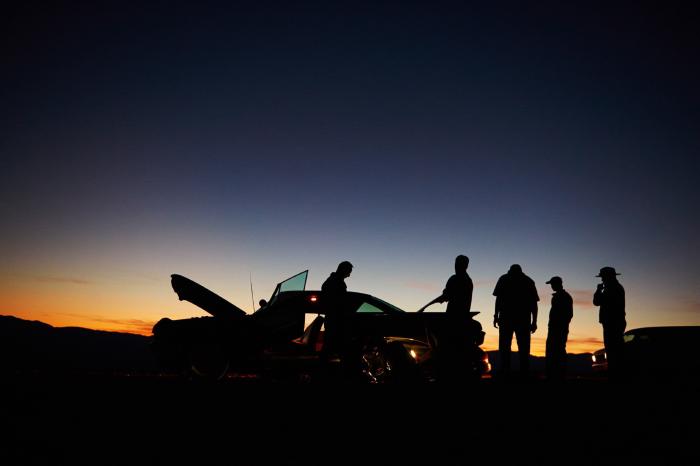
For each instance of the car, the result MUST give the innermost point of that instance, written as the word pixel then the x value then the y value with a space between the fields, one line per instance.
pixel 389 344
pixel 657 352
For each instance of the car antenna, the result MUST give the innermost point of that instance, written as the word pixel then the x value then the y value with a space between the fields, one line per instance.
pixel 252 298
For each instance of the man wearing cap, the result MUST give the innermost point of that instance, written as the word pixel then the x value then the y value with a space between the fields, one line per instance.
pixel 516 312
pixel 610 296
pixel 558 329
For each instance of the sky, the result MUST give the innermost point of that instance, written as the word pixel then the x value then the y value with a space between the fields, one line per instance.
pixel 246 141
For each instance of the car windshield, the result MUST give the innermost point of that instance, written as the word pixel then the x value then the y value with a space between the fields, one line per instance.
pixel 374 305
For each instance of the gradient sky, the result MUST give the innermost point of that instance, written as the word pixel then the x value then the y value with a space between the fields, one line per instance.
pixel 260 139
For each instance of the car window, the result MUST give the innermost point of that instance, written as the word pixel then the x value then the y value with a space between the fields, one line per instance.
pixel 368 308
pixel 390 306
pixel 294 283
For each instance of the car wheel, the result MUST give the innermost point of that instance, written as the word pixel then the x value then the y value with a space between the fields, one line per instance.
pixel 207 362
pixel 386 363
pixel 375 364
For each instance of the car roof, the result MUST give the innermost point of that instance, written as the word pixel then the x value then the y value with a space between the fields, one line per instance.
pixel 678 329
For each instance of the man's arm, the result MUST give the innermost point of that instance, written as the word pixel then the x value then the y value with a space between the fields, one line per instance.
pixel 497 311
pixel 439 299
pixel 598 296
pixel 569 305
pixel 533 326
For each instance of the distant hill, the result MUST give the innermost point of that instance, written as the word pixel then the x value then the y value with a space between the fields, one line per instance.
pixel 28 346
pixel 576 364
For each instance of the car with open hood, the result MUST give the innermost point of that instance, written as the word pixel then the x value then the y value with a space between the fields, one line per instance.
pixel 389 343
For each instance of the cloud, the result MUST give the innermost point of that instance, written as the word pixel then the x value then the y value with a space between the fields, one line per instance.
pixel 586 341
pixel 142 327
pixel 424 286
pixel 582 298
pixel 58 279
pixel 692 305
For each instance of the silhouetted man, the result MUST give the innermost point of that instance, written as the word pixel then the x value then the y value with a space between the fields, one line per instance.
pixel 560 315
pixel 516 311
pixel 453 341
pixel 610 296
pixel 457 292
pixel 337 324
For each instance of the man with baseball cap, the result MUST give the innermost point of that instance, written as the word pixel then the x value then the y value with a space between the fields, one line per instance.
pixel 560 315
pixel 610 296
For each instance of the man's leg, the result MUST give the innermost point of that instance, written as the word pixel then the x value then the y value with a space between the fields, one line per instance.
pixel 564 335
pixel 522 334
pixel 613 340
pixel 550 353
pixel 505 338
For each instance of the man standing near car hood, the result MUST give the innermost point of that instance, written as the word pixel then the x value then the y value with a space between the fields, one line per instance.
pixel 610 296
pixel 458 291
pixel 452 341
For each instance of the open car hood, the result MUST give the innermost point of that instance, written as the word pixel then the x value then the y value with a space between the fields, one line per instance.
pixel 187 290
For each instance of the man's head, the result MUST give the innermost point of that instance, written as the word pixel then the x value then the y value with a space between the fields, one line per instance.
pixel 344 269
pixel 556 283
pixel 461 263
pixel 515 269
pixel 608 274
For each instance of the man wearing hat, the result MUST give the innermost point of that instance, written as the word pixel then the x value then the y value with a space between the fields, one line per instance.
pixel 558 329
pixel 610 296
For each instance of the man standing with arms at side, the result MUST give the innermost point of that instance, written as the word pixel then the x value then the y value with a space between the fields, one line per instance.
pixel 516 312
pixel 610 296
pixel 558 329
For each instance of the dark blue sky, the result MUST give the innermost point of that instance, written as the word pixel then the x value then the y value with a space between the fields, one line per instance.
pixel 275 137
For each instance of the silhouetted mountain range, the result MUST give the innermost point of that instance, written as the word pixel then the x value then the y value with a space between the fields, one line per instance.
pixel 29 346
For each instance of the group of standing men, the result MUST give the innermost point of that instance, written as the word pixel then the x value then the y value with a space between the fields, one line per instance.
pixel 516 313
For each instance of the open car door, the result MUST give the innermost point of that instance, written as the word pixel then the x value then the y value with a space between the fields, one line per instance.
pixel 294 283
pixel 278 320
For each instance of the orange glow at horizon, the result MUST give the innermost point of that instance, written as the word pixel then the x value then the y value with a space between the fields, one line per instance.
pixel 574 345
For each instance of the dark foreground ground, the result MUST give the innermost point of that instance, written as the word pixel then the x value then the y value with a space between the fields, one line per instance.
pixel 163 420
